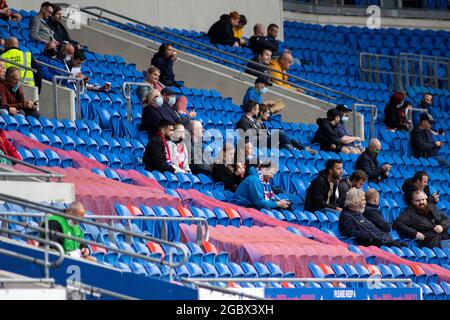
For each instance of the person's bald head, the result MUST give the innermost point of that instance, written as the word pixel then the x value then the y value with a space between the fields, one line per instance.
pixel 258 29
pixel 372 197
pixel 11 43
pixel 286 60
pixel 76 209
pixel 68 50
pixel 50 45
pixel 374 144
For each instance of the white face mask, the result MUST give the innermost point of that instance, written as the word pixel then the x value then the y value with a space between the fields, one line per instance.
pixel 344 119
pixel 264 90
pixel 159 101
pixel 68 59
pixel 172 101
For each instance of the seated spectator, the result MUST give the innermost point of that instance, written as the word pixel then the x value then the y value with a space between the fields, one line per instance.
pixel 7 149
pixel 323 191
pixel 7 14
pixel 238 31
pixel 2 70
pixel 12 97
pixel 356 180
pixel 426 103
pixel 59 31
pixel 256 93
pixel 272 35
pixel 259 41
pixel 164 60
pixel 59 59
pixel 419 182
pixel 347 139
pixel 352 223
pixel 170 101
pixel 264 58
pixel 372 212
pixel 247 121
pixel 75 67
pixel 282 65
pixel 423 144
pixel 39 29
pixel 221 32
pixel 69 227
pixel 157 153
pixel 395 113
pixel 255 191
pixel 368 163
pixel 154 113
pixel 424 222
pixel 201 162
pixel 152 77
pixel 225 169
pixel 178 150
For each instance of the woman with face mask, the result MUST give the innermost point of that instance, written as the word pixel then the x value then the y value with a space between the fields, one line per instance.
pixel 395 112
pixel 178 150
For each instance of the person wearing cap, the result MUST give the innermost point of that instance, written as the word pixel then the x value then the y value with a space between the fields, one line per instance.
pixel 256 93
pixel 327 135
pixel 423 144
pixel 346 138
pixel 395 112
pixel 170 100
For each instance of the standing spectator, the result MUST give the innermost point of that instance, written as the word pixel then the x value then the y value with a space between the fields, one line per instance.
pixel 264 58
pixel 272 35
pixel 152 77
pixel 221 32
pixel 395 113
pixel 256 93
pixel 255 191
pixel 238 31
pixel 323 191
pixel 39 29
pixel 356 180
pixel 247 121
pixel 164 60
pixel 347 139
pixel 225 169
pixel 372 212
pixel 425 222
pixel 368 162
pixel 59 31
pixel 200 160
pixel 419 182
pixel 282 65
pixel 7 149
pixel 352 223
pixel 7 14
pixel 12 97
pixel 178 150
pixel 259 41
pixel 154 113
pixel 422 143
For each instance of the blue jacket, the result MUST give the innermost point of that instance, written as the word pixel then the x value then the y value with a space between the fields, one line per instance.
pixel 166 67
pixel 250 193
pixel 48 73
pixel 252 94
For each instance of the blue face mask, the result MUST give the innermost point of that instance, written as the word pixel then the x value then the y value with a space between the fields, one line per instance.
pixel 159 101
pixel 264 90
pixel 172 101
pixel 15 88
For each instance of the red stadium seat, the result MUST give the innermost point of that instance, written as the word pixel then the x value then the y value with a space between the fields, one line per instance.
pixel 208 247
pixel 327 271
pixel 185 213
pixel 374 271
pixel 135 211
pixel 232 214
pixel 155 248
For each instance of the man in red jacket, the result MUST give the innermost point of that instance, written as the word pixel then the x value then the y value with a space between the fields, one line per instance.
pixel 7 148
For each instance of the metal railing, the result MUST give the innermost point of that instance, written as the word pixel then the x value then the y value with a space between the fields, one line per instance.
pixel 79 90
pixel 373 117
pixel 95 292
pixel 126 90
pixel 209 47
pixel 46 174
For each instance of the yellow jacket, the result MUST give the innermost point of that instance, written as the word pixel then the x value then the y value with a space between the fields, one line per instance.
pixel 274 64
pixel 238 33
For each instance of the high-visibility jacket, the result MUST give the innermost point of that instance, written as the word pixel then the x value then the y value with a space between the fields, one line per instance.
pixel 23 58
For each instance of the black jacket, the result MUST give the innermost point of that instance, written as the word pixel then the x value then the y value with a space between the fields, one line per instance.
pixel 200 163
pixel 167 76
pixel 373 214
pixel 245 123
pixel 152 116
pixel 260 43
pixel 410 222
pixel 344 187
pixel 408 187
pixel 221 173
pixel 395 118
pixel 221 32
pixel 369 164
pixel 317 194
pixel 256 67
pixel 60 32
pixel 355 225
pixel 327 135
pixel 155 156
pixel 422 143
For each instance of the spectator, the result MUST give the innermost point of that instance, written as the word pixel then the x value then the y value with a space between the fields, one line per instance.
pixel 372 212
pixel 178 150
pixel 39 29
pixel 323 191
pixel 395 113
pixel 12 97
pixel 200 160
pixel 225 169
pixel 7 149
pixel 247 121
pixel 75 67
pixel 57 59
pixel 352 223
pixel 2 70
pixel 238 31
pixel 170 100
pixel 152 77
pixel 7 14
pixel 70 227
pixel 157 153
pixel 221 32
pixel 59 31
pixel 164 60
pixel 424 222
pixel 282 65
pixel 422 143
pixel 419 182
pixel 356 180
pixel 272 35
pixel 255 191
pixel 259 41
pixel 14 54
pixel 368 163
pixel 425 104
pixel 264 58
pixel 154 113
pixel 347 139
pixel 256 93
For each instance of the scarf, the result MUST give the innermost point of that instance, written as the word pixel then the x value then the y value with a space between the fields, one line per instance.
pixel 268 193
pixel 166 147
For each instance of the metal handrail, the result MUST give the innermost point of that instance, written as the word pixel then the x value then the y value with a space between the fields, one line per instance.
pixel 21 66
pixel 373 117
pixel 127 94
pixel 6 175
pixel 79 91
pixel 26 164
pixel 410 111
pixel 103 10
pixel 26 281
pixel 52 67
pixel 94 291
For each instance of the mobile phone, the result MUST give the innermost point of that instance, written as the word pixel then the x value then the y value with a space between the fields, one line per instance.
pixel 36 103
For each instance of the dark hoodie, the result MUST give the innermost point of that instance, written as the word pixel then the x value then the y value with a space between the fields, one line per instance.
pixel 327 135
pixel 317 194
pixel 221 32
pixel 372 213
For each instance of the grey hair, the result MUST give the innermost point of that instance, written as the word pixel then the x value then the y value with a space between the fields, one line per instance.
pixel 374 142
pixel 353 198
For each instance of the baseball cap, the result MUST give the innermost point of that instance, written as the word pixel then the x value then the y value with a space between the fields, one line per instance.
pixel 343 108
pixel 168 92
pixel 265 80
